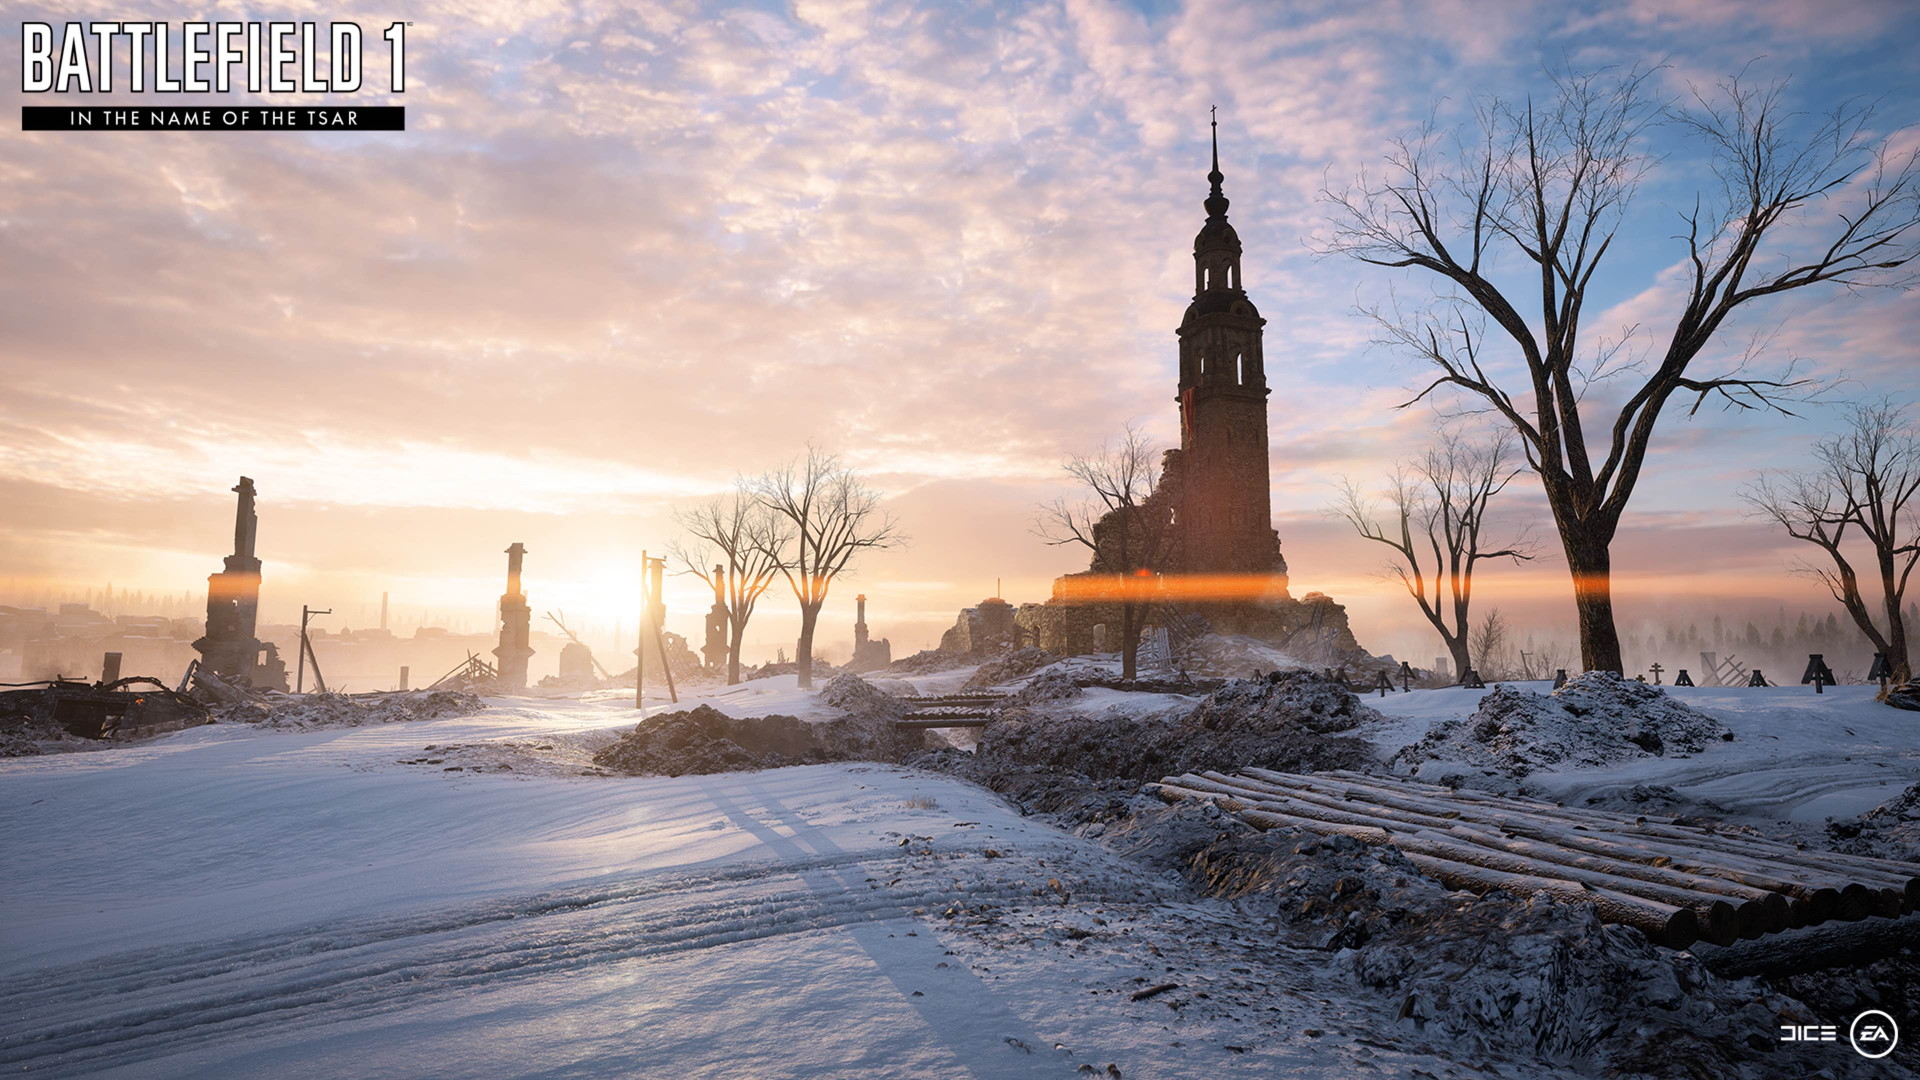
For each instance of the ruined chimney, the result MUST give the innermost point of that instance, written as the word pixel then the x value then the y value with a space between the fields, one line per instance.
pixel 515 625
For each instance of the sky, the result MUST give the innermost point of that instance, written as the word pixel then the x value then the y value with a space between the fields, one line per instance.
pixel 628 253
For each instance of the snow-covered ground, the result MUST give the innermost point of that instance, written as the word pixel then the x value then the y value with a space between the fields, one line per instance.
pixel 472 897
pixel 227 901
pixel 1795 755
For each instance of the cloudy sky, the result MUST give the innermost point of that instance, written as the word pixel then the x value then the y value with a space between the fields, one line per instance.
pixel 626 253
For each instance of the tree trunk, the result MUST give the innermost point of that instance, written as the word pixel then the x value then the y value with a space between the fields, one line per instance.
pixel 1592 568
pixel 1896 621
pixel 736 635
pixel 1461 659
pixel 1129 641
pixel 803 649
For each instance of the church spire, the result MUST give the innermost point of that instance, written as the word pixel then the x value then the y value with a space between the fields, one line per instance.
pixel 1216 203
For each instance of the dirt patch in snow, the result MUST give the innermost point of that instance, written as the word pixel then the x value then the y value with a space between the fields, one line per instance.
pixel 706 740
pixel 301 712
pixel 1888 831
pixel 928 661
pixel 1596 720
pixel 1287 722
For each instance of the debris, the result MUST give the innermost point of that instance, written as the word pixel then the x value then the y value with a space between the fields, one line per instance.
pixel 136 705
pixel 1597 719
pixel 1154 991
pixel 305 711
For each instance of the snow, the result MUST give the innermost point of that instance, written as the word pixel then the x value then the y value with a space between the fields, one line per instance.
pixel 1795 755
pixel 232 901
pixel 228 901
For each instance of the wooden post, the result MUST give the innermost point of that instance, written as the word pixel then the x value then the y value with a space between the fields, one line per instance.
pixel 403 676
pixel 110 667
pixel 640 652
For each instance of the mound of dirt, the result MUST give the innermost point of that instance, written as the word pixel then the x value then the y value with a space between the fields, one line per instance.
pixel 1487 974
pixel 1014 665
pixel 1279 723
pixel 299 712
pixel 928 661
pixel 706 740
pixel 1048 686
pixel 1597 719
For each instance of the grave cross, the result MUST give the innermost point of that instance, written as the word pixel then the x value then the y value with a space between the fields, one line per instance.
pixel 1882 671
pixel 1656 669
pixel 1818 673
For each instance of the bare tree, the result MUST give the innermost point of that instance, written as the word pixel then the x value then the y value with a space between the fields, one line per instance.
pixel 1490 645
pixel 1863 490
pixel 1545 187
pixel 730 546
pixel 829 516
pixel 1118 518
pixel 1436 516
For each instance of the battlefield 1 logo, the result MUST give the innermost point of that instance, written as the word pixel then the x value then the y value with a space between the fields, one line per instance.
pixel 213 58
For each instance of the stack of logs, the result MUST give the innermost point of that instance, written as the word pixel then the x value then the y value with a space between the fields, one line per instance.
pixel 1676 883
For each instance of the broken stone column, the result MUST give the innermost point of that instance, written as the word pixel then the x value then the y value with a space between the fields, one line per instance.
pixel 868 654
pixel 516 619
pixel 715 650
pixel 229 648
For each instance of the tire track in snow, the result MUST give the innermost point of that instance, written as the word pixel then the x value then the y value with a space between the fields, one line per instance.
pixel 121 1010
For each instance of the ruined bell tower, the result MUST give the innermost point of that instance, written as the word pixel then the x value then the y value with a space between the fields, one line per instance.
pixel 1224 508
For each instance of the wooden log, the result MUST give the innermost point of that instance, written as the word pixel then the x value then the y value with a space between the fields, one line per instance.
pixel 1823 902
pixel 1761 911
pixel 1670 925
pixel 1876 874
pixel 1853 904
pixel 1718 918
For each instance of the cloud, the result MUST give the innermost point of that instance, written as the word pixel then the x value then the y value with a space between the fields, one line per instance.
pixel 627 253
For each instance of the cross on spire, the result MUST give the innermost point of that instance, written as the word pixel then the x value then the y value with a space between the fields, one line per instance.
pixel 1216 203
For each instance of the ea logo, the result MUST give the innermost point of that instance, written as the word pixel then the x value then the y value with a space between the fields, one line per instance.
pixel 1874 1034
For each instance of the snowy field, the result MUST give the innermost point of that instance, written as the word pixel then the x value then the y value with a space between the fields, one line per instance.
pixel 467 898
pixel 231 902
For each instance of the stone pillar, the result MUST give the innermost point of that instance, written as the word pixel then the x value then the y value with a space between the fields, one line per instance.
pixel 515 626
pixel 230 648
pixel 715 650
pixel 403 676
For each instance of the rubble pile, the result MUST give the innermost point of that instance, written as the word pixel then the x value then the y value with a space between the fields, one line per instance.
pixel 1233 656
pixel 706 740
pixel 1597 719
pixel 821 670
pixel 298 712
pixel 1055 684
pixel 23 735
pixel 928 661
pixel 1014 665
pixel 1285 722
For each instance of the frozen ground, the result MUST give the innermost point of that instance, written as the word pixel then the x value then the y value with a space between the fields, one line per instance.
pixel 228 901
pixel 469 898
pixel 1795 756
